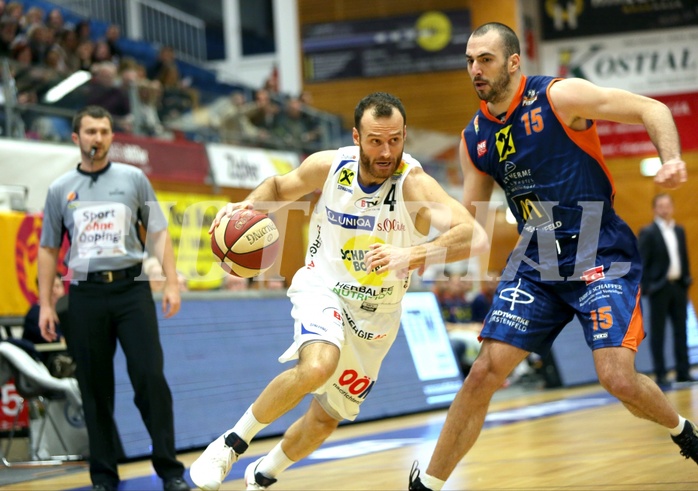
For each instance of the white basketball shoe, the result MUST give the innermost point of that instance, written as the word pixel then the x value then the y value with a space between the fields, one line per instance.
pixel 256 480
pixel 209 470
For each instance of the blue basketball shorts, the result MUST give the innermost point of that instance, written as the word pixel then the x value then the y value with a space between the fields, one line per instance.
pixel 529 313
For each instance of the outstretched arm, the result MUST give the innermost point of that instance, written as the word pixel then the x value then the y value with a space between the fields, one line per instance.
pixel 577 100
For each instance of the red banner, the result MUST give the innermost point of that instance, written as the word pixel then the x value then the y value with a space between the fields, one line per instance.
pixel 625 140
pixel 162 160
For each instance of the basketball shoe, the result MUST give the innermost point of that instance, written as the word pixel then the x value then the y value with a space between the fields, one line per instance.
pixel 257 480
pixel 687 441
pixel 415 483
pixel 209 470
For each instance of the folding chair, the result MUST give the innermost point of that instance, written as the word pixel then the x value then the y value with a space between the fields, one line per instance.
pixel 37 388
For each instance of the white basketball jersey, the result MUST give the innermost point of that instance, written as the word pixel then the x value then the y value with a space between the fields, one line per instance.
pixel 347 219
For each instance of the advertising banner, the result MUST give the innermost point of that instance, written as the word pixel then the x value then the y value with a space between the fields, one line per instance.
pixel 190 216
pixel 378 47
pixel 212 333
pixel 162 160
pixel 246 168
pixel 578 18
pixel 651 63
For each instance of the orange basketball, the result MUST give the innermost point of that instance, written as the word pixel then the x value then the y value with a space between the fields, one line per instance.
pixel 247 243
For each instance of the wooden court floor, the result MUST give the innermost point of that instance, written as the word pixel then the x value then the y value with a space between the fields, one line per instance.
pixel 565 439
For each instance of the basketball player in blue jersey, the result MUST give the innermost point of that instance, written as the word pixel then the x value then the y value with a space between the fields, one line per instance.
pixel 369 231
pixel 536 137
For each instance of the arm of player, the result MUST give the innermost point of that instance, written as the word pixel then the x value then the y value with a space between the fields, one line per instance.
pixel 477 186
pixel 577 100
pixel 460 236
pixel 276 191
pixel 47 263
pixel 161 245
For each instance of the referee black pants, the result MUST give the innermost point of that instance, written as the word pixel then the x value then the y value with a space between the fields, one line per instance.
pixel 99 315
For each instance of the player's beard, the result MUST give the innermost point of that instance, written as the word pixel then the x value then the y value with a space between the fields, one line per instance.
pixel 374 170
pixel 497 87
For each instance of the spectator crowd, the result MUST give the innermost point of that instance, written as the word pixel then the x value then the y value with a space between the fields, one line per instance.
pixel 150 99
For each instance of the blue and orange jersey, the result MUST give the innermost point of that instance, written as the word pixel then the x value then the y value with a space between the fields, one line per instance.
pixel 546 169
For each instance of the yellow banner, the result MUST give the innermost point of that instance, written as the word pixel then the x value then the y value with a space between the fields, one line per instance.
pixel 19 249
pixel 190 216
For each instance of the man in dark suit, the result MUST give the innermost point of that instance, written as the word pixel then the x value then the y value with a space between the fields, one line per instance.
pixel 665 279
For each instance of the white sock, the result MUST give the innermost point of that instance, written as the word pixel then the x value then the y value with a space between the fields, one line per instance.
pixel 431 482
pixel 677 431
pixel 274 463
pixel 247 426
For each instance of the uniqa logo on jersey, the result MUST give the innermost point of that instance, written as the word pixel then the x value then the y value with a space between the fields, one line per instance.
pixel 353 256
pixel 351 222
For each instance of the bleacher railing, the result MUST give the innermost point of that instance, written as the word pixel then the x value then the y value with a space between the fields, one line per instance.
pixel 151 21
pixel 13 124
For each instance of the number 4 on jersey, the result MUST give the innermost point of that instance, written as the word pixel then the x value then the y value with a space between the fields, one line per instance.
pixel 390 198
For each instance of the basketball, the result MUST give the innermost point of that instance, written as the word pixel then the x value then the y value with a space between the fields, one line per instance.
pixel 246 244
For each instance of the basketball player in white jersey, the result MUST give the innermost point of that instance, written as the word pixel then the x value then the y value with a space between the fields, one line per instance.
pixel 368 232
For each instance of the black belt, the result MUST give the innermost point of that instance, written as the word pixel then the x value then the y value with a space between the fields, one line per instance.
pixel 110 276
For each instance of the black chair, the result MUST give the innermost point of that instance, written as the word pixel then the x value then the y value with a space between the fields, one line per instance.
pixel 38 389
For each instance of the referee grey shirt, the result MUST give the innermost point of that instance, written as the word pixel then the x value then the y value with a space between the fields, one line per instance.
pixel 100 212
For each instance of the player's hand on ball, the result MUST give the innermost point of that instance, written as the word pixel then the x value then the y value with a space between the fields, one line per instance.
pixel 227 211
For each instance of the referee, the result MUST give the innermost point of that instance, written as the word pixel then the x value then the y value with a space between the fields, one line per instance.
pixel 102 206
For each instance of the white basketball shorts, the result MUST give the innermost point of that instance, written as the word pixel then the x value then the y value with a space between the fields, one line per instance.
pixel 363 338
